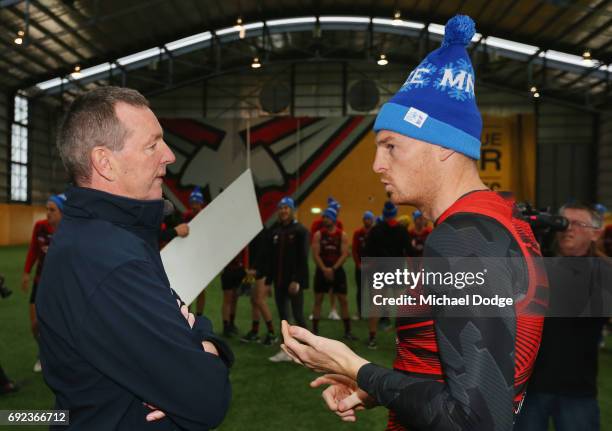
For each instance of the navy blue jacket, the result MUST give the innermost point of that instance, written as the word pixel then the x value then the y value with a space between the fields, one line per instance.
pixel 112 335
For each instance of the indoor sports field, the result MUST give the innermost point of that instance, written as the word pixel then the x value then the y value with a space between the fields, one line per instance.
pixel 267 396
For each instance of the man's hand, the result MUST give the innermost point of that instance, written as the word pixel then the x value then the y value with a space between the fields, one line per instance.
pixel 343 397
pixel 209 347
pixel 319 353
pixel 182 230
pixel 328 273
pixel 25 282
pixel 206 345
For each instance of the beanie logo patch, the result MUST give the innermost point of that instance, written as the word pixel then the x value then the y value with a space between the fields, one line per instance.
pixel 416 117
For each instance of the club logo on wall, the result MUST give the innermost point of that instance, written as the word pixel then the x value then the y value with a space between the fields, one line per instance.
pixel 289 156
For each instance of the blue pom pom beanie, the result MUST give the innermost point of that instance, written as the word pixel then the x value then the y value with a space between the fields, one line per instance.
pixel 437 103
pixel 389 210
pixel 196 195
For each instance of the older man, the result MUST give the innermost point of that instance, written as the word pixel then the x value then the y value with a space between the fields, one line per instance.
pixel 118 348
pixel 564 382
pixel 462 372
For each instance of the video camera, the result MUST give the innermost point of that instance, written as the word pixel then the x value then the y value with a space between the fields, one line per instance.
pixel 544 225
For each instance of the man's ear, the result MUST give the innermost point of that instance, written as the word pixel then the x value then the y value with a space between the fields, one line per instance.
pixel 101 163
pixel 445 153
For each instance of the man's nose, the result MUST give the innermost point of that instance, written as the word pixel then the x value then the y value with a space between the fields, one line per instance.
pixel 379 165
pixel 169 157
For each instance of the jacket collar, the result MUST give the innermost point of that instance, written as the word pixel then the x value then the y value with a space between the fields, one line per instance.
pixel 95 204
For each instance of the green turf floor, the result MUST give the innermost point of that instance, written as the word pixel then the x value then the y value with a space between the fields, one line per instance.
pixel 266 396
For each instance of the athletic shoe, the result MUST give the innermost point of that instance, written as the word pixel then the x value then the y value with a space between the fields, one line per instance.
pixel 372 344
pixel 37 366
pixel 281 356
pixel 270 339
pixel 234 330
pixel 228 333
pixel 350 337
pixel 250 337
pixel 333 315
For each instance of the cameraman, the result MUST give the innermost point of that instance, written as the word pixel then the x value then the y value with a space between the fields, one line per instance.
pixel 564 381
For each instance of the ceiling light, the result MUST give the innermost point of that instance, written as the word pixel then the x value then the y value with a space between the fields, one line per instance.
pixel 77 72
pixel 256 64
pixel 315 210
pixel 536 95
pixel 534 89
pixel 19 38
pixel 240 27
pixel 382 60
pixel 397 18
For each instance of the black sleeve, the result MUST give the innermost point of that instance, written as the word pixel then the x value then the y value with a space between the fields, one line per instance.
pixel 135 335
pixel 476 353
pixel 167 235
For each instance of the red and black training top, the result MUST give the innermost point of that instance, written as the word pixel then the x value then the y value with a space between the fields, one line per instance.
pixel 471 372
pixel 330 246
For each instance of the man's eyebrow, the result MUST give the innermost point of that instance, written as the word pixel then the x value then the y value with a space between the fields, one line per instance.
pixel 385 140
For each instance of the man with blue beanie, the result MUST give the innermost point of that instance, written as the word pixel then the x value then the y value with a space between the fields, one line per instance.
pixel 287 267
pixel 39 245
pixel 330 251
pixel 418 232
pixel 358 250
pixel 316 226
pixel 459 373
pixel 387 239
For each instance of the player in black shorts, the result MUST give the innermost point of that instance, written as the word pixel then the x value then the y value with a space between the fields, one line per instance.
pixel 231 278
pixel 330 250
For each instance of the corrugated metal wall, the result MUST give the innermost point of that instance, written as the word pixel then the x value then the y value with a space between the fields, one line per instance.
pixel 604 165
pixel 565 135
pixel 566 143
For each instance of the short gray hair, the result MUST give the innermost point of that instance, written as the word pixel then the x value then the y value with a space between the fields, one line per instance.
pixel 596 217
pixel 90 122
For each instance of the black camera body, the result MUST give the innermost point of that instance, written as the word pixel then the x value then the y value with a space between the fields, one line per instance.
pixel 544 225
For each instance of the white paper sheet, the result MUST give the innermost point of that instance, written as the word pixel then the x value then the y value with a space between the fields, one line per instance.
pixel 216 235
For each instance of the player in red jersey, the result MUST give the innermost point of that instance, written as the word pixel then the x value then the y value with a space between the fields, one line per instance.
pixel 196 204
pixel 330 251
pixel 419 232
pixel 465 372
pixel 358 249
pixel 316 226
pixel 39 245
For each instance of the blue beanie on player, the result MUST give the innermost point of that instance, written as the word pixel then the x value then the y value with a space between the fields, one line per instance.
pixel 368 215
pixel 286 202
pixel 437 103
pixel 196 195
pixel 389 210
pixel 332 203
pixel 331 214
pixel 58 200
